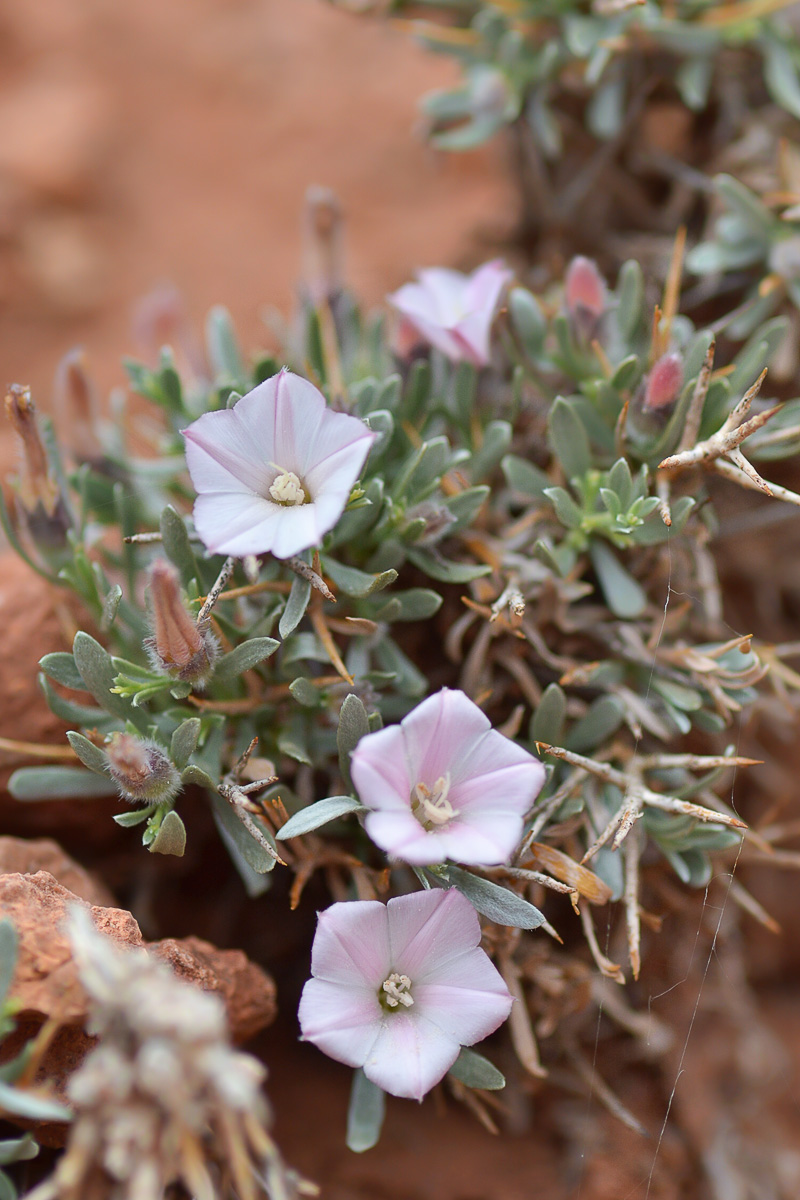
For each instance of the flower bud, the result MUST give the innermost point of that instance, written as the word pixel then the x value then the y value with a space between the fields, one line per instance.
pixel 663 384
pixel 141 769
pixel 323 228
pixel 39 496
pixel 585 296
pixel 180 647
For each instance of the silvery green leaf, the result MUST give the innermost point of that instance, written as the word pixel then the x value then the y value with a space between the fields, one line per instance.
pixel 524 477
pixel 296 606
pixel 380 422
pixel 780 74
pixel 606 109
pixel 137 816
pixel 365 1113
pixel 242 658
pixel 607 863
pixel 77 714
pixel 90 755
pixel 527 320
pixel 602 719
pixel 196 775
pixel 223 347
pixel 624 596
pixel 443 569
pixel 98 674
pixel 495 443
pixel 353 725
pixel 30 1106
pixel 316 815
pixel 680 696
pixel 630 298
pixel 59 783
pixel 184 741
pixel 568 439
pixel 233 831
pixel 177 547
pixel 495 902
pixel 465 505
pixel 171 836
pixel 655 531
pixel 354 582
pixel 560 559
pixel 693 80
pixel 756 354
pixel 621 482
pixel 475 1071
pixel 626 374
pixel 303 647
pixel 61 667
pixel 414 604
pixel 292 743
pixel 304 692
pixel 18 1149
pixel 548 720
pixel 611 501
pixel 468 136
pixel 8 956
pixel 565 507
pixel 110 607
pixel 408 680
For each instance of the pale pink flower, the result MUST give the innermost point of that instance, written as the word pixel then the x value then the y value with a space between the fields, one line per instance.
pixel 274 472
pixel 398 988
pixel 454 312
pixel 444 785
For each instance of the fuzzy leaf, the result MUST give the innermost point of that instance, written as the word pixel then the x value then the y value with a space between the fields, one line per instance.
pixel 356 583
pixel 234 831
pixel 59 783
pixel 304 692
pixel 442 569
pixel 8 957
pixel 30 1106
pixel 296 606
pixel 565 507
pixel 177 547
pixel 184 741
pixel 316 815
pixel 223 347
pixel 353 725
pixel 623 594
pixel 242 658
pixel 98 674
pixel 602 720
pixel 495 902
pixel 415 604
pixel 527 320
pixel 171 836
pixel 524 477
pixel 20 1149
pixel 548 720
pixel 196 775
pixel 475 1071
pixel 61 667
pixel 365 1113
pixel 90 755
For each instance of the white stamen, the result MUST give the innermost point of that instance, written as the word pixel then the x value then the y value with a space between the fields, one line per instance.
pixel 430 805
pixel 287 489
pixel 398 991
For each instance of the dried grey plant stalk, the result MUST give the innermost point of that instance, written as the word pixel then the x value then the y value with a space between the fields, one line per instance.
pixel 163 1099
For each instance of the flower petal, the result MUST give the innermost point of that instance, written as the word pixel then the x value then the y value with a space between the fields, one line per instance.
pixel 343 1021
pixel 401 835
pixel 508 789
pixel 410 1056
pixel 296 531
pixel 352 944
pixel 467 999
pixel 232 523
pixel 439 733
pixel 486 839
pixel 428 929
pixel 338 469
pixel 221 456
pixel 379 769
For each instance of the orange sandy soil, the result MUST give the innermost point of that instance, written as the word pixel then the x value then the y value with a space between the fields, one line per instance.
pixel 174 140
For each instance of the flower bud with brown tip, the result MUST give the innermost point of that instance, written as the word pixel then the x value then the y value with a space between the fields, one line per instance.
pixel 39 498
pixel 663 385
pixel 180 647
pixel 585 297
pixel 141 769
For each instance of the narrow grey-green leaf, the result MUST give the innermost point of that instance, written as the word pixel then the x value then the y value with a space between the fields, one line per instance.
pixel 527 319
pixel 548 720
pixel 414 604
pixel 59 783
pixel 90 755
pixel 624 596
pixel 252 851
pixel 443 569
pixel 365 1113
pixel 353 725
pixel 177 547
pixel 524 477
pixel 296 606
pixel 8 956
pixel 98 674
pixel 569 439
pixel 565 507
pixel 304 692
pixel 316 815
pixel 242 658
pixel 18 1149
pixel 601 721
pixel 61 667
pixel 34 1108
pixel 223 347
pixel 196 775
pixel 495 902
pixel 183 742
pixel 171 836
pixel 475 1071
pixel 356 583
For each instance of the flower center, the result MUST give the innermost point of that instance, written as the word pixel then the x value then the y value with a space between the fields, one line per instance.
pixel 396 992
pixel 287 489
pixel 430 804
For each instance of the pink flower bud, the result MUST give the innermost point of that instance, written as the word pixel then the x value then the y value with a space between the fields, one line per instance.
pixel 180 647
pixel 663 384
pixel 39 496
pixel 585 296
pixel 141 769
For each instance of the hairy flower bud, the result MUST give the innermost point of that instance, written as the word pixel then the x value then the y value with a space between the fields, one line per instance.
pixel 76 406
pixel 180 646
pixel 585 296
pixel 663 384
pixel 39 496
pixel 141 769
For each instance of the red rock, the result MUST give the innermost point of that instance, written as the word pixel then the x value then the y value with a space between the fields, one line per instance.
pixel 18 856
